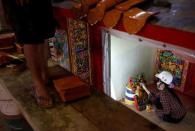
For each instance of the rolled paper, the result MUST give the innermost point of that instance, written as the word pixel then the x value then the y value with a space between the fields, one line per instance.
pixel 135 19
pixel 127 4
pixel 112 17
pixel 97 14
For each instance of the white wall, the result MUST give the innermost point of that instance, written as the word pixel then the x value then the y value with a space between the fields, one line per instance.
pixel 128 59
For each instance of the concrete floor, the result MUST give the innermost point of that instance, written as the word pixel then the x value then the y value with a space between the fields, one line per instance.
pixel 97 112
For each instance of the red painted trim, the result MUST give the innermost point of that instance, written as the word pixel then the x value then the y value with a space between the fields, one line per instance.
pixel 155 32
pixel 165 34
pixel 96 55
pixel 169 35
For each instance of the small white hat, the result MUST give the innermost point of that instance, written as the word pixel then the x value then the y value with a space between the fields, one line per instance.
pixel 165 77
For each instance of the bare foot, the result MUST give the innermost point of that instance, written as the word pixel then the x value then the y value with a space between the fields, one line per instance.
pixel 42 97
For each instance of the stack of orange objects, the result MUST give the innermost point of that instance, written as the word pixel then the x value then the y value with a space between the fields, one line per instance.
pixel 111 11
pixel 112 17
pixel 71 88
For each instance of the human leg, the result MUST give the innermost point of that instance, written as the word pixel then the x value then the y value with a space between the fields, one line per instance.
pixel 44 68
pixel 32 23
pixel 33 54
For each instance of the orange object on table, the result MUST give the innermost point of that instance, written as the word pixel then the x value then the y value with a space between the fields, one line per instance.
pixel 112 17
pixel 135 19
pixel 71 88
pixel 97 14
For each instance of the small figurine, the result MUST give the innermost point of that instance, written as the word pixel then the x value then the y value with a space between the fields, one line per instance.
pixel 141 97
pixel 135 93
pixel 168 106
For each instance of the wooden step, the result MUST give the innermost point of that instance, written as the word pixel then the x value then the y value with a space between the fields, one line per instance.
pixel 71 88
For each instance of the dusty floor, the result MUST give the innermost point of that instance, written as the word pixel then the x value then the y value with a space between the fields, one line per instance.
pixel 97 112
